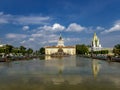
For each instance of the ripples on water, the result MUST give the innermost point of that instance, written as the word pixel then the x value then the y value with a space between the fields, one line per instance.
pixel 66 73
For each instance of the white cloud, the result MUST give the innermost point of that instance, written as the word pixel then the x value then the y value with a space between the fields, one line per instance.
pixel 75 27
pixel 116 27
pixel 72 39
pixel 15 36
pixel 55 27
pixel 3 21
pixel 26 28
pixel 53 41
pixel 32 20
pixel 92 29
pixel 45 27
pixel 36 35
pixel 99 28
pixel 31 39
pixel 1 13
pixel 4 18
pixel 22 42
pixel 24 20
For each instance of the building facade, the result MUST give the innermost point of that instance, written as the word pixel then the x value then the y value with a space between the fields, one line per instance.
pixel 96 46
pixel 60 48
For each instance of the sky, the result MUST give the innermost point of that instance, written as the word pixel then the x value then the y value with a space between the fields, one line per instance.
pixel 38 23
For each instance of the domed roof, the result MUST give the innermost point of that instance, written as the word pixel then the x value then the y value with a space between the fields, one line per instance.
pixel 60 42
pixel 60 38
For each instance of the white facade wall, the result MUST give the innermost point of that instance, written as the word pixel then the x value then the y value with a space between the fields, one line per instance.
pixel 71 51
pixel 51 50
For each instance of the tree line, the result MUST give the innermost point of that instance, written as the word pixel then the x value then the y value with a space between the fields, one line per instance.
pixel 84 49
pixel 80 49
pixel 116 50
pixel 7 49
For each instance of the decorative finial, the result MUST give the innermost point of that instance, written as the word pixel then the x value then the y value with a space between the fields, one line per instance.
pixel 60 37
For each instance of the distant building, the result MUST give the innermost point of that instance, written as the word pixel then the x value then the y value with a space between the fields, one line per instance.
pixel 96 46
pixel 60 48
pixel 1 45
pixel 110 50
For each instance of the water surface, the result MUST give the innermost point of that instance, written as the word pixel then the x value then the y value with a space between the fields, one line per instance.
pixel 66 73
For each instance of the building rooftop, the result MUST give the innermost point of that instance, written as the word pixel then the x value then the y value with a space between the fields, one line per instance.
pixel 59 47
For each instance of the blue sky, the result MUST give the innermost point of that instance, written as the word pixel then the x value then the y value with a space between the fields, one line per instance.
pixel 37 23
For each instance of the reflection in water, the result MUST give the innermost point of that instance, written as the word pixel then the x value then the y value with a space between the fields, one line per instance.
pixel 60 63
pixel 63 65
pixel 95 67
pixel 67 73
pixel 48 57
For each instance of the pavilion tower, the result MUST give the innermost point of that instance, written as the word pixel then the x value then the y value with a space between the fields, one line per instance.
pixel 60 42
pixel 96 46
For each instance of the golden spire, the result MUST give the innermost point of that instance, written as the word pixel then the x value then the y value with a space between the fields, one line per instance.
pixel 95 37
pixel 95 34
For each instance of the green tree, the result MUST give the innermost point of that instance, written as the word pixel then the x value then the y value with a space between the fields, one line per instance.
pixel 116 49
pixel 29 51
pixel 22 50
pixel 15 50
pixel 42 50
pixel 82 49
pixel 8 48
pixel 101 52
pixel 104 51
pixel 2 50
pixel 117 46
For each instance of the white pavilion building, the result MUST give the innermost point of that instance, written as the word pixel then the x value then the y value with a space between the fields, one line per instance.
pixel 60 48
